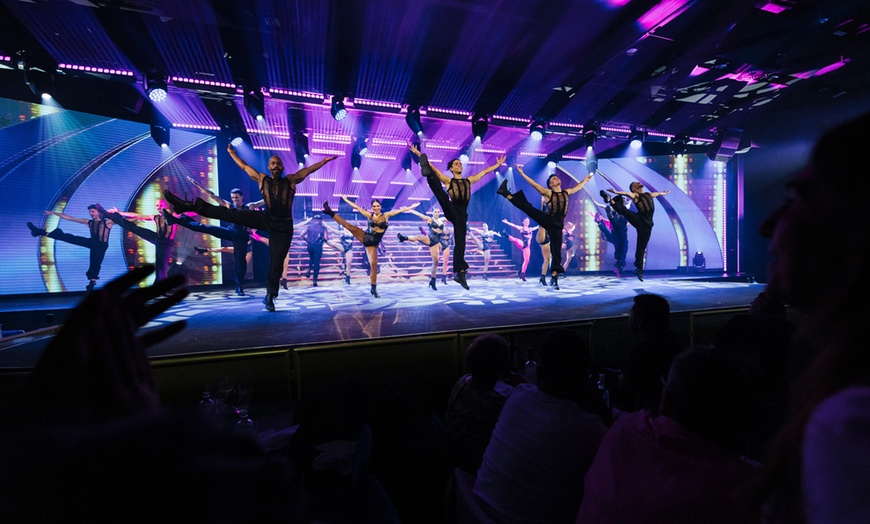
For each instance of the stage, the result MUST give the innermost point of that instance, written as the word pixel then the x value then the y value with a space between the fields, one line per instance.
pixel 218 321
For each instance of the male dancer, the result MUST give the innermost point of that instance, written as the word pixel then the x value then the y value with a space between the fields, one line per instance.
pixel 315 235
pixel 162 237
pixel 615 231
pixel 642 220
pixel 239 235
pixel 98 242
pixel 278 192
pixel 553 220
pixel 454 202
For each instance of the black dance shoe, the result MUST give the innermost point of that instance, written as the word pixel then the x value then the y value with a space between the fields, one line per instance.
pixel 200 250
pixel 90 286
pixel 402 238
pixel 605 196
pixel 169 217
pixel 432 283
pixel 459 278
pixel 178 205
pixel 35 231
pixel 269 301
pixel 503 189
pixel 328 210
pixel 239 291
pixel 375 291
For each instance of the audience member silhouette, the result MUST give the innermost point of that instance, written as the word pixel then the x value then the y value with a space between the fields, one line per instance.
pixel 544 440
pixel 819 466
pixel 679 466
pixel 477 399
pixel 640 383
pixel 86 439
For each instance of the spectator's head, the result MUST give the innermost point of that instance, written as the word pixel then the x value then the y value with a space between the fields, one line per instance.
pixel 709 393
pixel 649 314
pixel 487 359
pixel 563 363
pixel 766 305
pixel 818 222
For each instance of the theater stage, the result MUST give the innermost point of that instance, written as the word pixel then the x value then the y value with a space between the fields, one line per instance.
pixel 219 321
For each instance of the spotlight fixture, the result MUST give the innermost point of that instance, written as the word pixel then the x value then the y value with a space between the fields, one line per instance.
pixel 591 165
pixel 636 138
pixel 725 144
pixel 590 133
pixel 536 130
pixel 479 126
pixel 338 111
pixel 155 87
pixel 300 146
pixel 39 81
pixel 406 161
pixel 412 118
pixel 255 104
pixel 355 159
pixel 360 146
pixel 236 134
pixel 160 133
pixel 678 146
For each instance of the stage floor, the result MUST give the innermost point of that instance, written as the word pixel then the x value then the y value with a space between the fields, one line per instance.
pixel 219 321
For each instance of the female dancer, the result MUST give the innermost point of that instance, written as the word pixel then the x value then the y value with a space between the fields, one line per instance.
pixel 446 246
pixel 344 245
pixel 543 240
pixel 431 240
pixel 568 243
pixel 484 243
pixel 523 243
pixel 371 237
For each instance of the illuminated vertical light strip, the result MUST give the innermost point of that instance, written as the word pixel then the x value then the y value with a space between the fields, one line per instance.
pixel 46 251
pixel 681 180
pixel 213 242
pixel 719 210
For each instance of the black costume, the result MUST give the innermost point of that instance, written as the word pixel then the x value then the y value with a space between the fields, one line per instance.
pixel 487 238
pixel 277 219
pixel 162 238
pixel 436 233
pixel 553 220
pixel 98 243
pixel 315 237
pixel 238 234
pixel 617 235
pixel 454 202
pixel 642 220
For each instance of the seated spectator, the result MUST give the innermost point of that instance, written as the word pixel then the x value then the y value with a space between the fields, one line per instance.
pixel 477 399
pixel 679 466
pixel 544 440
pixel 819 467
pixel 87 441
pixel 640 383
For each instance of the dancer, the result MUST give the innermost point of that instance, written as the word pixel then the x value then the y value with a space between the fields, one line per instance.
pixel 553 220
pixel 432 240
pixel 344 245
pixel 543 240
pixel 371 237
pixel 615 230
pixel 454 202
pixel 523 243
pixel 642 219
pixel 239 235
pixel 97 243
pixel 278 192
pixel 484 243
pixel 315 235
pixel 568 244
pixel 162 237
pixel 447 245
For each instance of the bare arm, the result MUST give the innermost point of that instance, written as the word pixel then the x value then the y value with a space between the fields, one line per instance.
pixel 423 158
pixel 362 211
pixel 305 171
pixel 421 215
pixel 538 187
pixel 134 216
pixel 255 175
pixel 510 224
pixel 579 186
pixel 405 209
pixel 499 161
pixel 655 194
pixel 258 203
pixel 628 194
pixel 208 192
pixel 68 217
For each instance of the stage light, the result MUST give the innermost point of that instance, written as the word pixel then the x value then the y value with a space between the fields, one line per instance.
pixel 536 130
pixel 360 146
pixel 412 118
pixel 355 159
pixel 236 134
pixel 406 161
pixel 155 88
pixel 338 111
pixel 725 144
pixel 300 147
pixel 590 133
pixel 160 133
pixel 678 146
pixel 463 158
pixel 255 104
pixel 479 126
pixel 40 82
pixel 591 165
pixel 636 138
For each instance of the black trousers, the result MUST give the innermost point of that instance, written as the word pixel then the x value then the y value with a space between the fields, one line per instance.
pixel 643 227
pixel 238 238
pixel 280 234
pixel 457 215
pixel 315 253
pixel 98 250
pixel 552 224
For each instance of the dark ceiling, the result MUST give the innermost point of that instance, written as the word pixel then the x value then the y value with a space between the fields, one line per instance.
pixel 676 67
